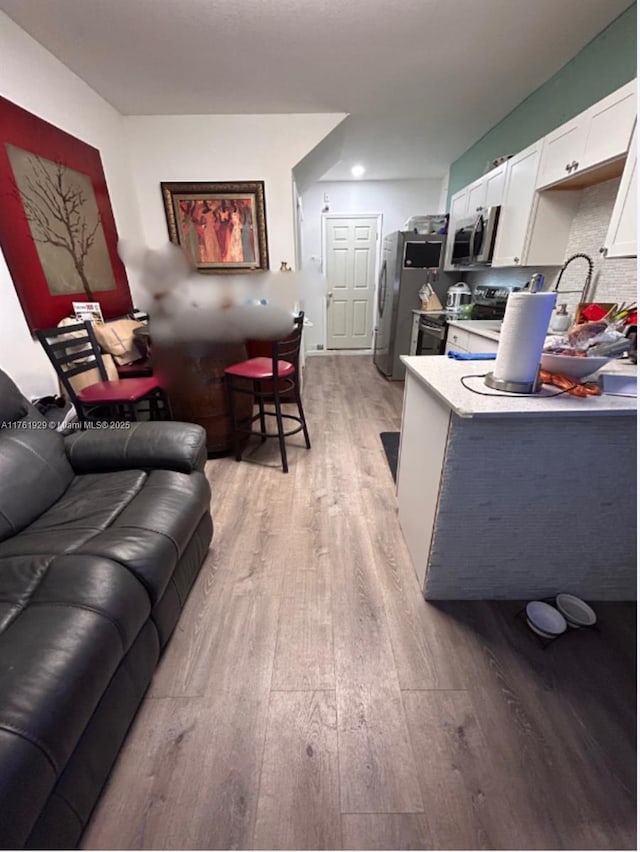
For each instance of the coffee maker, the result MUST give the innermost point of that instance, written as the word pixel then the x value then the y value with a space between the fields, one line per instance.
pixel 457 296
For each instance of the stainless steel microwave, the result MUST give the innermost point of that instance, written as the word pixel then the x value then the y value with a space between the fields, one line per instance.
pixel 474 238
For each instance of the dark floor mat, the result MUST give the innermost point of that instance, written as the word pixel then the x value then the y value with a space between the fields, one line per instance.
pixel 391 445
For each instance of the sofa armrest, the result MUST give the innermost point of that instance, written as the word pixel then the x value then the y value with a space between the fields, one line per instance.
pixel 169 446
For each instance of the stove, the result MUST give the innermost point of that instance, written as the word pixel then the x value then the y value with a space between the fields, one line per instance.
pixel 491 302
pixel 488 303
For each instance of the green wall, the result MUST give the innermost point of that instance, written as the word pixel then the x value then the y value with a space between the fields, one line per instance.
pixel 601 67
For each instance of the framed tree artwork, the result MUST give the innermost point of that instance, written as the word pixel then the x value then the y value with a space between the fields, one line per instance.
pixel 57 230
pixel 221 226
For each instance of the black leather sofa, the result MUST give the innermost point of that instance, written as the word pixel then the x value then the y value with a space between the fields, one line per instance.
pixel 102 534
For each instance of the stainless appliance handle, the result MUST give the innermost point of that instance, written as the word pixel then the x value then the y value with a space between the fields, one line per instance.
pixel 382 288
pixel 472 239
pixel 480 232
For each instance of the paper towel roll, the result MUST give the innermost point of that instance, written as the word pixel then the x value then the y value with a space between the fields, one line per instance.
pixel 526 320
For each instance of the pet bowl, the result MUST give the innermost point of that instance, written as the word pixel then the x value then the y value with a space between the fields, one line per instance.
pixel 545 619
pixel 576 611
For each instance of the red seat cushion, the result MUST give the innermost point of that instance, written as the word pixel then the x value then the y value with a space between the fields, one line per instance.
pixel 124 390
pixel 259 368
pixel 135 370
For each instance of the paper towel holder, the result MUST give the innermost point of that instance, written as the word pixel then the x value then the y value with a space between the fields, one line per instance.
pixel 534 286
pixel 513 387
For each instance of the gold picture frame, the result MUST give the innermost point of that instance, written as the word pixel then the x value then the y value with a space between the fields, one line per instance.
pixel 220 225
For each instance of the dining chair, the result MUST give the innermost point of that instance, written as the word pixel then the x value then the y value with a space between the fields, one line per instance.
pixel 273 379
pixel 74 350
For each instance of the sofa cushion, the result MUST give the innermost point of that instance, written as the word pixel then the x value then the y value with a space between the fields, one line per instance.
pixel 67 624
pixel 34 473
pixel 141 520
pixel 88 506
pixel 150 535
pixel 96 585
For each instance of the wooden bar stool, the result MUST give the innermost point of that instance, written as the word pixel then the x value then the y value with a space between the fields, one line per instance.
pixel 269 380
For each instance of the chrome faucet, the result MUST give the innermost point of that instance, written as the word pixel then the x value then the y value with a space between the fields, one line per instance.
pixel 587 283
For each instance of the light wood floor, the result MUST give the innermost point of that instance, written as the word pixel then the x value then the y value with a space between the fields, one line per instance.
pixel 311 699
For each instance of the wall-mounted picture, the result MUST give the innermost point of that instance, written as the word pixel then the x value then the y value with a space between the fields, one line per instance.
pixel 57 229
pixel 221 226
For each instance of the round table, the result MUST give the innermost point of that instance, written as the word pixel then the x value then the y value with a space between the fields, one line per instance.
pixel 193 375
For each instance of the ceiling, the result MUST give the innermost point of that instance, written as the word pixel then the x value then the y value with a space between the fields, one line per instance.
pixel 422 80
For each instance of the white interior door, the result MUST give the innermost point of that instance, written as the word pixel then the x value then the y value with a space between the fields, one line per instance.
pixel 350 246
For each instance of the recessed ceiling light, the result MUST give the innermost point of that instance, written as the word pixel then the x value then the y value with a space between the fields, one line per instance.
pixel 357 171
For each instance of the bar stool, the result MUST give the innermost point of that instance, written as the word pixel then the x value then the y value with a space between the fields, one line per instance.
pixel 269 380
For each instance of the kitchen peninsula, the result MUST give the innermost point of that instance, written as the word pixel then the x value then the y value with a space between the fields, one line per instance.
pixel 515 497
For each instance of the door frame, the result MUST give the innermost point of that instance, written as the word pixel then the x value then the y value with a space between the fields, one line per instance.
pixel 325 217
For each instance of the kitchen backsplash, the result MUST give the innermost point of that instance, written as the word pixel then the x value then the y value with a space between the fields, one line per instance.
pixel 614 280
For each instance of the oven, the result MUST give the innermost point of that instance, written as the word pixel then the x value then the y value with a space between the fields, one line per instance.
pixel 432 335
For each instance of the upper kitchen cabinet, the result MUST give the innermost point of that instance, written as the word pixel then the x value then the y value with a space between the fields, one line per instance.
pixel 520 186
pixel 622 236
pixel 534 226
pixel 597 136
pixel 487 191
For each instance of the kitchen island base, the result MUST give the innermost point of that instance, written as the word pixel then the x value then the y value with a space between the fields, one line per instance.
pixel 516 504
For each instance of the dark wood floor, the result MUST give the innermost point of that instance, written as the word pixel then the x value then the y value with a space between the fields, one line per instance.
pixel 311 699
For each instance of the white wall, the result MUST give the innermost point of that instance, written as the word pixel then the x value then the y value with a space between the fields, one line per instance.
pixel 396 200
pixel 137 153
pixel 35 80
pixel 225 148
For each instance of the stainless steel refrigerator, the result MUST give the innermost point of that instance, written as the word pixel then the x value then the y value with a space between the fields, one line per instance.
pixel 406 260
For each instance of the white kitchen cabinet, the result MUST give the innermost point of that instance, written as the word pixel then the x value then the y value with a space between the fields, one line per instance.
pixel 520 183
pixel 534 226
pixel 457 210
pixel 622 236
pixel 596 136
pixel 560 149
pixel 452 347
pixel 495 186
pixel 476 196
pixel 467 339
pixel 459 204
pixel 609 127
pixel 480 343
pixel 457 339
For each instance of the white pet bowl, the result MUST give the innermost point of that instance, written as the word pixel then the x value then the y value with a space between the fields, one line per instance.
pixel 576 611
pixel 572 365
pixel 545 619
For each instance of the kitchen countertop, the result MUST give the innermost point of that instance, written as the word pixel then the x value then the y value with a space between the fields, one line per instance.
pixel 442 375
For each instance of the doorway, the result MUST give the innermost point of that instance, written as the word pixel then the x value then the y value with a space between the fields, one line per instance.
pixel 350 259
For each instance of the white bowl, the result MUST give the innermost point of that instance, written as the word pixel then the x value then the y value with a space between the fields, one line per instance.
pixel 540 632
pixel 576 611
pixel 546 618
pixel 572 365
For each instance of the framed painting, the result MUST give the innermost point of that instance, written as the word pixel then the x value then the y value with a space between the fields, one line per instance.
pixel 57 230
pixel 221 226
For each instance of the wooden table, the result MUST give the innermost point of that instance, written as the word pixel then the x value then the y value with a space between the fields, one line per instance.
pixel 194 376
